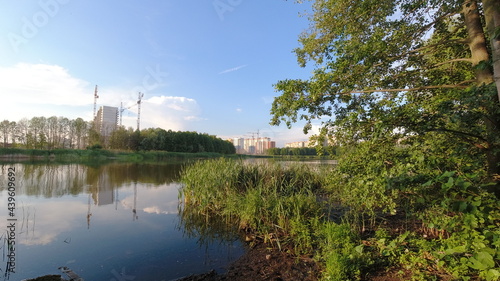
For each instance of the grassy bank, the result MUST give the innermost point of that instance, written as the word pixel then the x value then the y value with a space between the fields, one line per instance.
pixel 446 230
pixel 96 155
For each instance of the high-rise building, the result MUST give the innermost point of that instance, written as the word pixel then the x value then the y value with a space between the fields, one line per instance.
pixel 298 144
pixel 106 120
pixel 239 145
pixel 253 145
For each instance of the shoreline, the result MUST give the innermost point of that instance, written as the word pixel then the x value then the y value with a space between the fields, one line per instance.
pixel 263 263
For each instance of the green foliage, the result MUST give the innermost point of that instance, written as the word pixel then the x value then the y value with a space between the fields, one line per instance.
pixel 446 222
pixel 95 146
pixel 192 142
pixel 378 78
pixel 288 151
pixel 469 218
pixel 417 123
pixel 343 256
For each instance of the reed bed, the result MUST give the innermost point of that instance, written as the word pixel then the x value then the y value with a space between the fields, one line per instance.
pixel 267 201
pixel 282 205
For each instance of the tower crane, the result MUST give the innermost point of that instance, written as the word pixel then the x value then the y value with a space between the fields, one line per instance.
pixel 95 99
pixel 123 109
pixel 139 101
pixel 253 134
pixel 255 141
pixel 140 96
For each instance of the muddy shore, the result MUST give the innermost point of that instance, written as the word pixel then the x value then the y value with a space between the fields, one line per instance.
pixel 263 263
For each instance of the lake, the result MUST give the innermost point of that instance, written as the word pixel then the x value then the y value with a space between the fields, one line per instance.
pixel 119 221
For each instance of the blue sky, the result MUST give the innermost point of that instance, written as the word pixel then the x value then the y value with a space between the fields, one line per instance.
pixel 203 65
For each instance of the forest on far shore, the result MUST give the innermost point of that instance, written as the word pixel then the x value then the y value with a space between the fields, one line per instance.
pixel 63 133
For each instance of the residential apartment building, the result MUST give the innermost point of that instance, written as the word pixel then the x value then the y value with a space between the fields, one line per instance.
pixel 253 145
pixel 239 145
pixel 297 144
pixel 106 120
pixel 302 144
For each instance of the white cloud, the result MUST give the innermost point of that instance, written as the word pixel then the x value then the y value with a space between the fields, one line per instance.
pixel 169 112
pixel 296 133
pixel 29 90
pixel 54 221
pixel 162 200
pixel 42 84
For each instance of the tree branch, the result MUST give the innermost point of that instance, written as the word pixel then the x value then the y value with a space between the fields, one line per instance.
pixel 465 136
pixel 452 61
pixel 457 86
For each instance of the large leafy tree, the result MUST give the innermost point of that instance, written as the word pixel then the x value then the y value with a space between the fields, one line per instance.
pixel 394 70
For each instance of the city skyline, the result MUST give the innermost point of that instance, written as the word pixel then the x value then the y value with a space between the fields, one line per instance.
pixel 253 145
pixel 201 67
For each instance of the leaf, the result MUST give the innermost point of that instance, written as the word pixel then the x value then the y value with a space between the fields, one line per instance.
pixel 449 183
pixel 481 261
pixel 456 250
pixel 448 174
pixel 492 275
pixel 482 65
pixel 359 249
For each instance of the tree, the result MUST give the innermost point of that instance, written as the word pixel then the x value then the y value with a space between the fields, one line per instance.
pixel 5 128
pixel 22 131
pixel 389 70
pixel 14 132
pixel 63 128
pixel 37 127
pixel 120 138
pixel 492 20
pixel 52 130
pixel 81 129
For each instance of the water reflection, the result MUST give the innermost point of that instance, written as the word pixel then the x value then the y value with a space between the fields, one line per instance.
pixel 52 180
pixel 101 219
pixel 206 228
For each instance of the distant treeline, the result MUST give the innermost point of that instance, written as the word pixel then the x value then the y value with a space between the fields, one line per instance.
pixel 292 151
pixel 300 151
pixel 45 133
pixel 160 139
pixel 63 133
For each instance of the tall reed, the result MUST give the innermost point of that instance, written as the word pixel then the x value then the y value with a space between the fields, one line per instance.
pixel 269 201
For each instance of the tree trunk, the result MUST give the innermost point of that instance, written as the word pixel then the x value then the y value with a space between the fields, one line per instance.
pixel 492 17
pixel 479 54
pixel 477 42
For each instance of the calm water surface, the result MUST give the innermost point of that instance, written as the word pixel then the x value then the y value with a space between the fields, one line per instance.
pixel 110 222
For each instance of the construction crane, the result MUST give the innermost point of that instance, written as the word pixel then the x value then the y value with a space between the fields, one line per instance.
pixel 140 96
pixel 95 99
pixel 139 101
pixel 253 134
pixel 123 109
